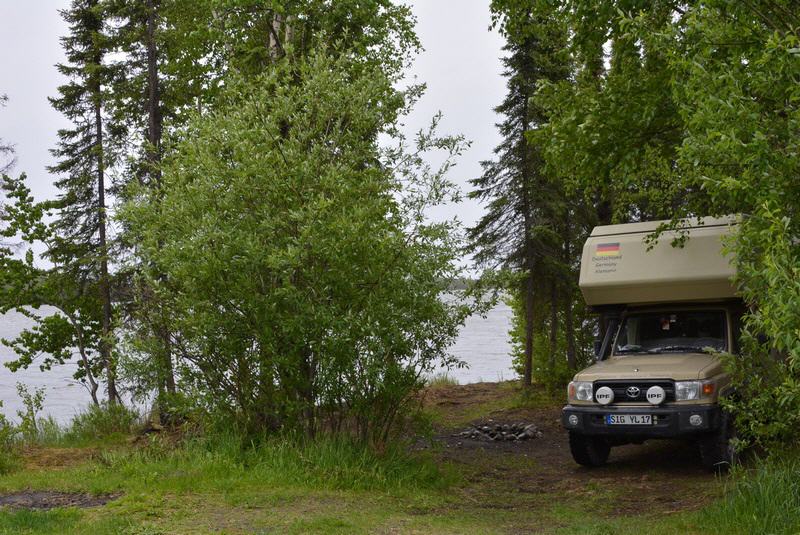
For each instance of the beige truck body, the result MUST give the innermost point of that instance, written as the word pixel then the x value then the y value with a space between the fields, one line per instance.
pixel 666 314
pixel 617 267
pixel 620 268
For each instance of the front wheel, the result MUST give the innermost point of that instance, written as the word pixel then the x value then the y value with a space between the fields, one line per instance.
pixel 588 450
pixel 717 450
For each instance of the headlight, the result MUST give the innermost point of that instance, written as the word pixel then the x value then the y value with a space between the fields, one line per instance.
pixel 580 391
pixel 687 390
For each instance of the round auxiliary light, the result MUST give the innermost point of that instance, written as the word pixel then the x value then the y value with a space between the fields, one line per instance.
pixel 656 395
pixel 696 420
pixel 573 419
pixel 604 395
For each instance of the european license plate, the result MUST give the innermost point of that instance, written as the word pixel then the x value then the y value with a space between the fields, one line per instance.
pixel 629 419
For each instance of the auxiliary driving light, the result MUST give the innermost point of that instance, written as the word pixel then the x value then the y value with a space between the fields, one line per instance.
pixel 573 419
pixel 604 395
pixel 696 420
pixel 656 395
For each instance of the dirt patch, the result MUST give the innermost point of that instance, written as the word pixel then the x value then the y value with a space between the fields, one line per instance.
pixel 659 476
pixel 50 499
pixel 49 458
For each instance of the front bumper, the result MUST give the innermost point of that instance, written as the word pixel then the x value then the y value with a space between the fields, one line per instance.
pixel 669 421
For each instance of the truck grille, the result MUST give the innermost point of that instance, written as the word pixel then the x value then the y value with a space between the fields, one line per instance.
pixel 621 392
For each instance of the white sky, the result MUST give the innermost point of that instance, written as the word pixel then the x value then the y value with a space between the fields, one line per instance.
pixel 460 65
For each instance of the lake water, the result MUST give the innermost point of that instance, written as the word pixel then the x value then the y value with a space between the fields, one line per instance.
pixel 483 344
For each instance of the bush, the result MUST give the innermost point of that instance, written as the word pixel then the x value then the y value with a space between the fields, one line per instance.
pixel 29 418
pixel 305 282
pixel 767 374
pixel 8 434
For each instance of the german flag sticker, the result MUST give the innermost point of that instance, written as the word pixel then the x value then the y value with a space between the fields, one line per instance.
pixel 607 249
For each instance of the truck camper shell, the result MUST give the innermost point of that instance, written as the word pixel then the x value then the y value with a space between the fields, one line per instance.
pixel 618 269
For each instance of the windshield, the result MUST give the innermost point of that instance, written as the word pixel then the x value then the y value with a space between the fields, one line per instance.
pixel 659 332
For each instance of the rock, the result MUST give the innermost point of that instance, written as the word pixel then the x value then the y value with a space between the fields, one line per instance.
pixel 500 432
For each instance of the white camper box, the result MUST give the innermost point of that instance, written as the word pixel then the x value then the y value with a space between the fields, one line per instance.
pixel 617 268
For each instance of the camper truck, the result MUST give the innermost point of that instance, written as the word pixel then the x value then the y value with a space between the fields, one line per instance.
pixel 666 313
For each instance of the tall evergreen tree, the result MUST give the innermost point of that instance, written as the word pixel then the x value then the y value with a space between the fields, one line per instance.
pixel 140 29
pixel 521 230
pixel 80 245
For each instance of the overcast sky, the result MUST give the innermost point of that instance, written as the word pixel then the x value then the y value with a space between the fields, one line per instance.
pixel 460 65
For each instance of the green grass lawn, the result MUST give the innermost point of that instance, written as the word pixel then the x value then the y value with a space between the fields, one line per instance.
pixel 216 486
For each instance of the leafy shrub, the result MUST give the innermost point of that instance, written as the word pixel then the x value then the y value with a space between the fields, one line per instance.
pixel 33 403
pixel 8 434
pixel 767 372
pixel 305 280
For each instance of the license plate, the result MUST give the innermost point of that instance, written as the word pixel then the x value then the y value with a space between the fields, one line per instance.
pixel 629 419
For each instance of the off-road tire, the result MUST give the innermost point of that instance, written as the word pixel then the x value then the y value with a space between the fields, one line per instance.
pixel 588 450
pixel 716 451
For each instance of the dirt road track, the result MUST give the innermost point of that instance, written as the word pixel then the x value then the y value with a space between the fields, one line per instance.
pixel 659 476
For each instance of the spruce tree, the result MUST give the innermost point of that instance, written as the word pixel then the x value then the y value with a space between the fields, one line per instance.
pixel 81 245
pixel 521 230
pixel 140 36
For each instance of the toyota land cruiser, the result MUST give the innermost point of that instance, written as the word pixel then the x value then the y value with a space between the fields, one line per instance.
pixel 665 314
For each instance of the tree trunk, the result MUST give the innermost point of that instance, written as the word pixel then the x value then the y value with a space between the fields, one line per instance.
pixel 154 120
pixel 553 323
pixel 569 296
pixel 527 376
pixel 106 349
pixel 154 135
pixel 275 45
pixel 529 258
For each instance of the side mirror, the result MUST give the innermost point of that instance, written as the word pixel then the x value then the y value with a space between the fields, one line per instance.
pixel 598 346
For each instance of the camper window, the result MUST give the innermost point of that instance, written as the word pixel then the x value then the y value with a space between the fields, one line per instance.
pixel 672 331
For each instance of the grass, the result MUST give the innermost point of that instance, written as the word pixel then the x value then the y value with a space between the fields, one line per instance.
pixel 441 379
pixel 95 426
pixel 218 484
pixel 765 499
pixel 217 479
pixel 24 521
pixel 221 462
